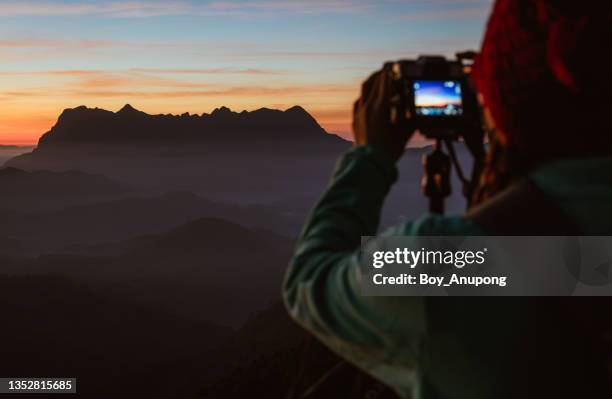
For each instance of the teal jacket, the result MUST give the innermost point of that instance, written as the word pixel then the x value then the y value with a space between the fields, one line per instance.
pixel 392 338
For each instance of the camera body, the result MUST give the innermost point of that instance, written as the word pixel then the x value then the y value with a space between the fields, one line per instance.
pixel 437 96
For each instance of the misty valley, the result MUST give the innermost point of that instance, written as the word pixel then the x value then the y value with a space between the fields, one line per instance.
pixel 138 248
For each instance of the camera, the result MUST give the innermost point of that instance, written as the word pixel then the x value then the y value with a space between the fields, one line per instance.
pixel 436 95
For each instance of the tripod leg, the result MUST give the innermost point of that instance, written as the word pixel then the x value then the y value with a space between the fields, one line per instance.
pixel 436 205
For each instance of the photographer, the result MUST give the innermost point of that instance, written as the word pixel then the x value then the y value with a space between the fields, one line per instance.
pixel 543 78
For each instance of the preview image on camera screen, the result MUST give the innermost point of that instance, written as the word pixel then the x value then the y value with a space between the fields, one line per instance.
pixel 438 98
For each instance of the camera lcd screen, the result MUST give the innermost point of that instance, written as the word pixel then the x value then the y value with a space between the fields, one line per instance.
pixel 438 98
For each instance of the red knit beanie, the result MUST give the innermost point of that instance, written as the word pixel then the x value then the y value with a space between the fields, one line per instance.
pixel 545 73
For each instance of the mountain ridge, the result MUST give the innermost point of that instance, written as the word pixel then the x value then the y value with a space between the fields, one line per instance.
pixel 38 190
pixel 83 125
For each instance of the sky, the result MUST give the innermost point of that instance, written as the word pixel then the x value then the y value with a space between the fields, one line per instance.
pixel 194 56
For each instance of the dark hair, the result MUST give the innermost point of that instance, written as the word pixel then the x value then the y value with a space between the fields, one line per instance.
pixel 502 167
pixel 543 72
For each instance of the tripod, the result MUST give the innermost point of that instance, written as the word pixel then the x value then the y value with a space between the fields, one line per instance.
pixel 436 184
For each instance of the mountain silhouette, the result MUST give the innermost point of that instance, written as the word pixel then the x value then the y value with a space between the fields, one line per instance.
pixel 209 269
pixel 145 233
pixel 113 345
pixel 271 367
pixel 206 269
pixel 129 125
pixel 196 236
pixel 45 190
pixel 11 247
pixel 225 155
pixel 101 228
pixel 10 151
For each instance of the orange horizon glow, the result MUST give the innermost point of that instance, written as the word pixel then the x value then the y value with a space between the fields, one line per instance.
pixel 28 127
pixel 32 101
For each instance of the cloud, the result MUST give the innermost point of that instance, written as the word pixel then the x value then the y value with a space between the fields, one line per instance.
pixel 67 72
pixel 246 91
pixel 445 9
pixel 142 9
pixel 29 43
pixel 457 13
pixel 162 83
pixel 210 71
pixel 273 7
pixel 116 8
pixel 244 53
pixel 100 88
pixel 26 43
pixel 153 71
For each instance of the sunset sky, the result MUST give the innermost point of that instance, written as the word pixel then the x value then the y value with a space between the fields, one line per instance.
pixel 194 56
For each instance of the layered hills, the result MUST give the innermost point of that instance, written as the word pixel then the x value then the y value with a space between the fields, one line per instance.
pixel 247 157
pixel 26 191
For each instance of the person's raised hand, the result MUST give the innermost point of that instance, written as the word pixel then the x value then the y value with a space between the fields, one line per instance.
pixel 379 119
